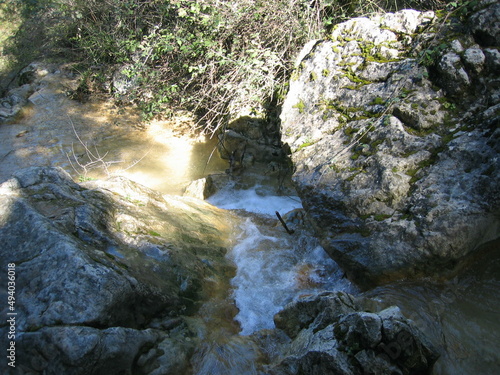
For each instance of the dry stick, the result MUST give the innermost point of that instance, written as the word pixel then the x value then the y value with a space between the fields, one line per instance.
pixel 95 159
pixel 136 161
pixel 289 231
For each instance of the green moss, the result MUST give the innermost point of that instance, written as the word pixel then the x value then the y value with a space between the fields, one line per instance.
pixel 353 176
pixel 413 174
pixel 363 231
pixel 441 13
pixel 381 217
pixel 377 143
pixel 325 73
pixel 295 75
pixel 371 53
pixel 407 217
pixel 110 256
pixel 380 59
pixel 409 153
pixel 378 101
pixel 349 131
pixel 423 164
pixel 82 178
pixel 304 145
pixel 365 139
pixel 122 265
pixel 313 76
pixel 406 92
pixel 355 79
pixel 154 234
pixel 335 168
pixel 301 106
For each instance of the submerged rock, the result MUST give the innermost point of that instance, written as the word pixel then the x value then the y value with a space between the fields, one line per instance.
pixel 395 141
pixel 99 265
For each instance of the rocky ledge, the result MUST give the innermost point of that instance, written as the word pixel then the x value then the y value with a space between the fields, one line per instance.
pixel 392 125
pixel 335 333
pixel 113 278
pixel 104 273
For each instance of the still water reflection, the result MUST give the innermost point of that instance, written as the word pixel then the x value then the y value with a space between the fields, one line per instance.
pixel 97 139
pixel 460 316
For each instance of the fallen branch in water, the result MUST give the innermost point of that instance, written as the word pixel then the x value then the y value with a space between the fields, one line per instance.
pixel 289 231
pixel 96 160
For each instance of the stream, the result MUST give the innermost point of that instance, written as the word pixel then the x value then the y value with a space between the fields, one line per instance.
pixel 96 140
pixel 273 268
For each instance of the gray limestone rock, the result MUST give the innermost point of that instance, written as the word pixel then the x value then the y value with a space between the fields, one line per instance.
pixel 350 340
pixel 396 162
pixel 485 26
pixel 97 263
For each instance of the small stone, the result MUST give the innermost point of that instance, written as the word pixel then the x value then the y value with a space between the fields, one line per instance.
pixel 474 59
pixel 456 46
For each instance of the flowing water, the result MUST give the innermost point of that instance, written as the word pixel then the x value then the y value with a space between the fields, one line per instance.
pixel 273 267
pixel 94 140
pixel 460 316
pixel 97 139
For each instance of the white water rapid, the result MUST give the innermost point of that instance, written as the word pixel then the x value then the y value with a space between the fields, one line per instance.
pixel 273 267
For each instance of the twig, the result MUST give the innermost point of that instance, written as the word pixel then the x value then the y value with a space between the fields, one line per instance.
pixel 96 160
pixel 289 231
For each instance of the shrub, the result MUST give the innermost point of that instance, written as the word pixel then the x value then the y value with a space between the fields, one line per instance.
pixel 210 56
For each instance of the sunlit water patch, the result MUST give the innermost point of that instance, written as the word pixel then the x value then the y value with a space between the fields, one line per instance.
pixel 96 140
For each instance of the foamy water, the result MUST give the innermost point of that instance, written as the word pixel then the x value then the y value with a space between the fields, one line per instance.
pixel 258 199
pixel 273 267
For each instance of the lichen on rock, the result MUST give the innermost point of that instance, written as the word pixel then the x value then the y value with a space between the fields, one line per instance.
pixel 400 171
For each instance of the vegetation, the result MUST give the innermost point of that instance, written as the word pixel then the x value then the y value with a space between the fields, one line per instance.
pixel 209 56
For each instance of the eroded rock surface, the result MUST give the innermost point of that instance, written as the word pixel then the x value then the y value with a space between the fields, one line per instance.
pixel 392 123
pixel 104 271
pixel 333 333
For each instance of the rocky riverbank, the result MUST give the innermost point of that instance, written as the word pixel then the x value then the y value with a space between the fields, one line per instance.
pixel 392 124
pixel 105 270
pixel 111 278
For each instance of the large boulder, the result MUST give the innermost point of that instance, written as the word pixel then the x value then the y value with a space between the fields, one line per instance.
pixel 392 124
pixel 104 269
